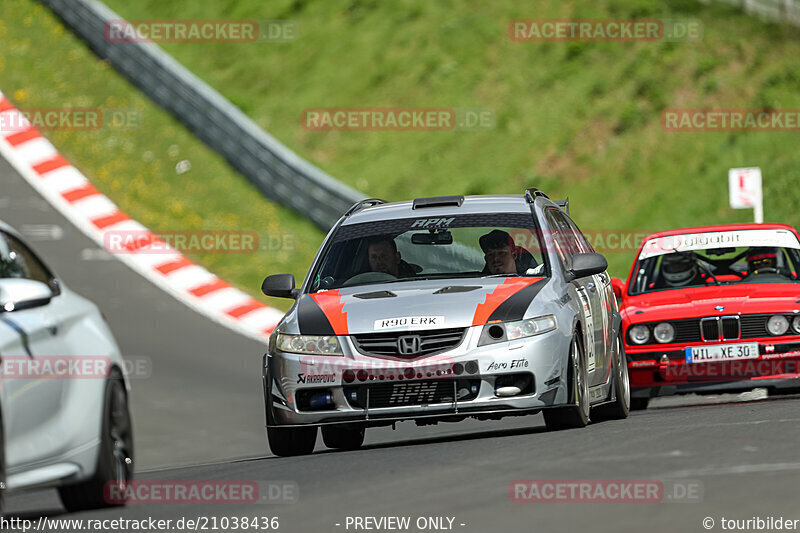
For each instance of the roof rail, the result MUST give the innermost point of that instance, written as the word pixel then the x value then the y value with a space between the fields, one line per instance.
pixel 532 192
pixel 363 204
pixel 438 201
pixel 563 204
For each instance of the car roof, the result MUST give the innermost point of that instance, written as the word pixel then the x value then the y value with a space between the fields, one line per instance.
pixel 497 203
pixel 719 227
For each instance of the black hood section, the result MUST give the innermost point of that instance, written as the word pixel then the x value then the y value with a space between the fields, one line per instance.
pixel 310 318
pixel 515 306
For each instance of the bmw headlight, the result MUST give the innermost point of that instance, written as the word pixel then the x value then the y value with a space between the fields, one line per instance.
pixel 664 332
pixel 639 334
pixel 777 325
pixel 796 324
pixel 518 329
pixel 309 344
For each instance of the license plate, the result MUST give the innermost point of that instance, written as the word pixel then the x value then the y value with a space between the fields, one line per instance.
pixel 721 352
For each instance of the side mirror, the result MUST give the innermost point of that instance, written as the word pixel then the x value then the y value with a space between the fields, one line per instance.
pixel 17 294
pixel 280 286
pixel 618 287
pixel 586 264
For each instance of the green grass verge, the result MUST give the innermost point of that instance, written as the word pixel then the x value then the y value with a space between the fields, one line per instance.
pixel 577 119
pixel 44 65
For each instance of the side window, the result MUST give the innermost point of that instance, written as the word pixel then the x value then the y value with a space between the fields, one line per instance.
pixel 563 237
pixel 18 261
pixel 583 243
pixel 554 237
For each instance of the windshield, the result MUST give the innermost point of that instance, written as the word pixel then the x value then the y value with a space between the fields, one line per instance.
pixel 465 246
pixel 718 258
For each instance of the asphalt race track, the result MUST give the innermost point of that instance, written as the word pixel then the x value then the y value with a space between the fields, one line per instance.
pixel 199 416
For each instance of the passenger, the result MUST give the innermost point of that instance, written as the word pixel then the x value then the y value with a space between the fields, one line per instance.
pixel 762 260
pixel 502 256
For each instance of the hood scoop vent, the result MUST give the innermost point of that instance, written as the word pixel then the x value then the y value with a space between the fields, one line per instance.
pixel 374 295
pixel 451 289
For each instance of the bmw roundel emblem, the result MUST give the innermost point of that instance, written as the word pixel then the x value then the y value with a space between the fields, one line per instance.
pixel 719 308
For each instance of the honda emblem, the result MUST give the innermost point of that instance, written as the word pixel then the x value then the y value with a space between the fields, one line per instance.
pixel 409 344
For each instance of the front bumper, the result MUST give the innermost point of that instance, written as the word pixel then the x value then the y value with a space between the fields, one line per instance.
pixel 778 365
pixel 302 390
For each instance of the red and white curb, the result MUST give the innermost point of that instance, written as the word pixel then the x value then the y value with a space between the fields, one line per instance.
pixel 68 190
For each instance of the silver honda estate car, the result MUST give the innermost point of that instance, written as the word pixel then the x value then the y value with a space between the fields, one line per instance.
pixel 443 308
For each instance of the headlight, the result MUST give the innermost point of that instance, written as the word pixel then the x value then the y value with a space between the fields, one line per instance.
pixel 530 327
pixel 518 329
pixel 796 324
pixel 309 344
pixel 664 332
pixel 777 325
pixel 640 334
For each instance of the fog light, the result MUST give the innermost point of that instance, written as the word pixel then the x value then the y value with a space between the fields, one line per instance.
pixel 315 400
pixel 320 400
pixel 513 385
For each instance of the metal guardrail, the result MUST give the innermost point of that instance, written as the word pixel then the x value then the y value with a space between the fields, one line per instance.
pixel 787 11
pixel 276 171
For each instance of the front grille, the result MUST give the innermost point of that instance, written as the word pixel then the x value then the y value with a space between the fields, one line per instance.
pixel 733 328
pixel 431 342
pixel 730 328
pixel 686 331
pixel 709 328
pixel 402 393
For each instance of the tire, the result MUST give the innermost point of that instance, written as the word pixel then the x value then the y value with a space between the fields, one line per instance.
pixel 290 442
pixel 345 437
pixel 774 391
pixel 639 404
pixel 576 415
pixel 621 406
pixel 115 462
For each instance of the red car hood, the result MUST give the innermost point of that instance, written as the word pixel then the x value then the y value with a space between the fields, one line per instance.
pixel 702 301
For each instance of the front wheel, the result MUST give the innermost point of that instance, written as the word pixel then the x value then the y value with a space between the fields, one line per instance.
pixel 576 415
pixel 289 442
pixel 115 462
pixel 620 407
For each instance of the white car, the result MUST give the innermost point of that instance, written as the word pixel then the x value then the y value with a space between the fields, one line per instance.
pixel 64 417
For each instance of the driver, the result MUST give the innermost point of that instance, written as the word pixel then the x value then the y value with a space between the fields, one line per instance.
pixel 384 257
pixel 679 270
pixel 760 260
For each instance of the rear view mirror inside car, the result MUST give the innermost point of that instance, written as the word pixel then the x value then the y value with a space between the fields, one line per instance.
pixel 438 237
